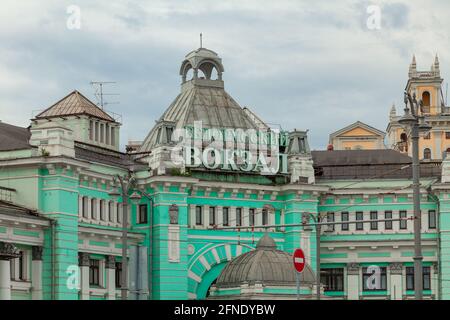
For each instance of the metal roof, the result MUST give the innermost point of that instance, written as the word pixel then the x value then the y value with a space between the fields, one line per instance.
pixel 74 104
pixel 266 265
pixel 13 137
pixel 84 151
pixel 362 164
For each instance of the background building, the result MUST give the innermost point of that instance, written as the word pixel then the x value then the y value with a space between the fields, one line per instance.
pixel 357 136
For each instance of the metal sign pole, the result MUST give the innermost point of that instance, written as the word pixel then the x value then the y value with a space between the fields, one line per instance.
pixel 298 285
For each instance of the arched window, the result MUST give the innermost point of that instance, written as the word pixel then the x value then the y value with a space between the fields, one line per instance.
pixel 426 98
pixel 427 153
pixel 403 137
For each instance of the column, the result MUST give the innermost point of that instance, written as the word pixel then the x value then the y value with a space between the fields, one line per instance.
pixel 83 262
pixel 245 216
pixel 7 252
pixel 396 288
pixel 192 216
pixel 206 216
pixel 258 218
pixel 80 206
pixel 36 272
pixel 353 281
pixel 110 267
pixel 232 216
pixel 434 274
pixel 219 216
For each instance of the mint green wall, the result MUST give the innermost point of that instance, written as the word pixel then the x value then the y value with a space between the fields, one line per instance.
pixel 58 199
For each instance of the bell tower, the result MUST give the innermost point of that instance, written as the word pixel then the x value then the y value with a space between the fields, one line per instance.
pixel 426 85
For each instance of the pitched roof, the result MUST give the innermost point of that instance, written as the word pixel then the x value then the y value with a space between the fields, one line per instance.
pixel 13 137
pixel 74 104
pixel 356 125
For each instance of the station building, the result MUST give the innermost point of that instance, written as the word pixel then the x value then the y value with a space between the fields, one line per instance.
pixel 61 230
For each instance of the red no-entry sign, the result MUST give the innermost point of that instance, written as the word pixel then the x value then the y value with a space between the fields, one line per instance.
pixel 299 260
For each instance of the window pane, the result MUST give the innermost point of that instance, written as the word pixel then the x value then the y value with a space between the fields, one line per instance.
pixel 388 224
pixel 432 219
pixel 198 215
pixel 359 225
pixel 252 217
pixel 330 218
pixel 225 216
pixel 344 217
pixel 212 216
pixel 373 224
pixel 403 223
pixel 239 216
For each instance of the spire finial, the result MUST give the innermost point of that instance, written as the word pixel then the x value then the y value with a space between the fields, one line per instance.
pixel 201 40
pixel 413 59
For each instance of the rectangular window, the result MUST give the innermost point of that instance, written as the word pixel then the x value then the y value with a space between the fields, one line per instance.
pixel 239 217
pixel 226 216
pixel 431 219
pixel 447 135
pixel 403 223
pixel 110 211
pixel 118 274
pixel 333 279
pixel 96 131
pixel 359 216
pixel 265 217
pixel 108 131
pixel 212 216
pixel 102 210
pixel 102 133
pixel 198 216
pixel 251 213
pixel 373 224
pixel 85 207
pixel 91 130
pixel 388 224
pixel 93 209
pixel 330 218
pixel 94 272
pixel 142 213
pixel 113 136
pixel 119 212
pixel 370 280
pixel 426 273
pixel 344 217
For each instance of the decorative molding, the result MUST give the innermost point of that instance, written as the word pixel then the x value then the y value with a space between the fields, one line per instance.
pixel 36 253
pixel 353 268
pixel 110 262
pixel 396 268
pixel 8 251
pixel 83 259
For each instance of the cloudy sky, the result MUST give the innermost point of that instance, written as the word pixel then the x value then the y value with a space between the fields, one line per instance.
pixel 300 64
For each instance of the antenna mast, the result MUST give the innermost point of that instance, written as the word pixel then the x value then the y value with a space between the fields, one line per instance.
pixel 201 40
pixel 99 94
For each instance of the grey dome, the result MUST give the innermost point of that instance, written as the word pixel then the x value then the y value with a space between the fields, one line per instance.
pixel 265 265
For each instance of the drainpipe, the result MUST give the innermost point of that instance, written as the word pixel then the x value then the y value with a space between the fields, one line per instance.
pixel 53 227
pixel 150 249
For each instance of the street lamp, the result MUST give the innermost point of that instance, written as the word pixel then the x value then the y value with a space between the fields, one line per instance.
pixel 317 220
pixel 417 125
pixel 125 184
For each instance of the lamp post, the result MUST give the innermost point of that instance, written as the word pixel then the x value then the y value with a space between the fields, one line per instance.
pixel 415 122
pixel 126 184
pixel 317 220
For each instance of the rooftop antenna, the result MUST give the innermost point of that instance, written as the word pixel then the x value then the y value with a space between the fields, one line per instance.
pixel 99 94
pixel 201 40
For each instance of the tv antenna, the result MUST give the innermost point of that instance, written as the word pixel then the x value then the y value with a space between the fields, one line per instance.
pixel 100 95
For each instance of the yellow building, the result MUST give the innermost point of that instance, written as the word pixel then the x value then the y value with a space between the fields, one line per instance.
pixel 427 87
pixel 357 136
